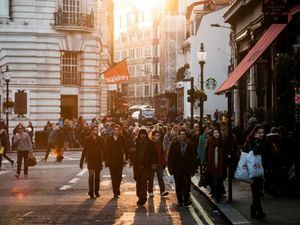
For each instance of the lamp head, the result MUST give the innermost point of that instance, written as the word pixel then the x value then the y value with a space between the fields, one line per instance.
pixel 201 54
pixel 6 75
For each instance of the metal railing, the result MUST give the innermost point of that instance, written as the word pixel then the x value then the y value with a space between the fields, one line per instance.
pixel 71 78
pixel 73 19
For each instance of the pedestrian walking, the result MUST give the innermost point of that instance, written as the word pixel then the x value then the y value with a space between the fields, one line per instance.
pixel 144 159
pixel 115 158
pixel 51 138
pixel 216 163
pixel 161 164
pixel 201 155
pixel 4 146
pixel 93 148
pixel 23 145
pixel 256 142
pixel 182 164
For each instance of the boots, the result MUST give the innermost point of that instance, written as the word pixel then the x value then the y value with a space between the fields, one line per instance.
pixel 257 213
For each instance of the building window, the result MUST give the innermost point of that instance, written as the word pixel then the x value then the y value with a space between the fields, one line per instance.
pixel 147 34
pixel 131 36
pixel 147 68
pixel 123 37
pixel 131 91
pixel 131 71
pixel 71 6
pixel 147 89
pixel 139 90
pixel 124 54
pixel 139 52
pixel 140 35
pixel 148 51
pixel 69 64
pixel 131 53
pixel 131 18
pixel 139 70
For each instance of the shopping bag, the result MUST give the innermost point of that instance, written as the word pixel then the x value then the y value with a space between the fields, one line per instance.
pixel 171 179
pixel 242 172
pixel 1 150
pixel 255 167
pixel 31 159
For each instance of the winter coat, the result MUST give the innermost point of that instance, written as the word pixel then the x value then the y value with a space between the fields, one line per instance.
pixel 216 164
pixel 145 155
pixel 182 163
pixel 93 149
pixel 201 149
pixel 115 151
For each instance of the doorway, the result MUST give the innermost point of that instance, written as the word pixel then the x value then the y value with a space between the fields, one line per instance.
pixel 69 106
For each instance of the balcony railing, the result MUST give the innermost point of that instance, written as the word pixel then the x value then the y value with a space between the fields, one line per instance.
pixel 76 20
pixel 71 78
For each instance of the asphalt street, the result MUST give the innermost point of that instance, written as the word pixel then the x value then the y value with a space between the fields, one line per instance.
pixel 56 193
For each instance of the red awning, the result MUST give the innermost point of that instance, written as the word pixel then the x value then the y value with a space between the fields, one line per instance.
pixel 259 48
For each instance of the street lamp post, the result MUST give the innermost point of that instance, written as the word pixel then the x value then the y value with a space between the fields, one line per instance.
pixel 201 55
pixel 7 80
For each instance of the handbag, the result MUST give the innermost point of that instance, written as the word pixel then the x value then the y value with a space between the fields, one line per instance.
pixel 1 150
pixel 255 167
pixel 31 159
pixel 242 172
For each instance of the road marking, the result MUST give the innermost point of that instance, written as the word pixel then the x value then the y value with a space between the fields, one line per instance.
pixel 22 217
pixel 74 180
pixel 201 210
pixel 3 172
pixel 108 175
pixel 195 216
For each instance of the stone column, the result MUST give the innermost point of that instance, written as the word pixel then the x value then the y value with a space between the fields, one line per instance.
pixel 4 9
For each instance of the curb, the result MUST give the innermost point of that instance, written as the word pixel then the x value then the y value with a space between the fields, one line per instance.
pixel 226 209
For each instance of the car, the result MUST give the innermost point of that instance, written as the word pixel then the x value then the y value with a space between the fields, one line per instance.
pixel 147 117
pixel 135 116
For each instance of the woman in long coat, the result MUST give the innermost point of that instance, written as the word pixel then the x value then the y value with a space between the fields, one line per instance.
pixel 216 163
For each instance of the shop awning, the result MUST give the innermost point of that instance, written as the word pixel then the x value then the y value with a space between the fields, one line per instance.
pixel 259 48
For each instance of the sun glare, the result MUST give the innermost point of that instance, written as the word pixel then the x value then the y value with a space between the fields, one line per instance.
pixel 145 8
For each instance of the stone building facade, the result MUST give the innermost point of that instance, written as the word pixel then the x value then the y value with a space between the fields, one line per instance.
pixel 55 50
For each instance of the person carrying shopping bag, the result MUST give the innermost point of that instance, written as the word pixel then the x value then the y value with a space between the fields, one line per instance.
pixel 256 143
pixel 23 146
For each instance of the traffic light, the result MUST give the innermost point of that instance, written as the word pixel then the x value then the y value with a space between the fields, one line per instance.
pixel 191 95
pixel 200 95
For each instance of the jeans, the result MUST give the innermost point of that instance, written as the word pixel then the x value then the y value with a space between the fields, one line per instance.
pixel 23 155
pixel 94 180
pixel 159 173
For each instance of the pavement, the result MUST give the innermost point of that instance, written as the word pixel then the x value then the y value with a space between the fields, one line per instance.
pixel 56 193
pixel 280 210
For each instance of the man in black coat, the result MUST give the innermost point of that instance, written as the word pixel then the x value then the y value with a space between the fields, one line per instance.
pixel 93 147
pixel 115 159
pixel 144 161
pixel 182 164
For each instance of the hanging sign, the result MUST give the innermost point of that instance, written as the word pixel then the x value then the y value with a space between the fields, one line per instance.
pixel 211 83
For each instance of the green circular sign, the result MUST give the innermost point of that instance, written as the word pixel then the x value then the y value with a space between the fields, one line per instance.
pixel 211 83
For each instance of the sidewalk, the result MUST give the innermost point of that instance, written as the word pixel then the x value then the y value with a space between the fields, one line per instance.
pixel 280 210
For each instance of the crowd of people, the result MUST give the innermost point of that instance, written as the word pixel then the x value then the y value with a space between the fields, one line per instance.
pixel 184 149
